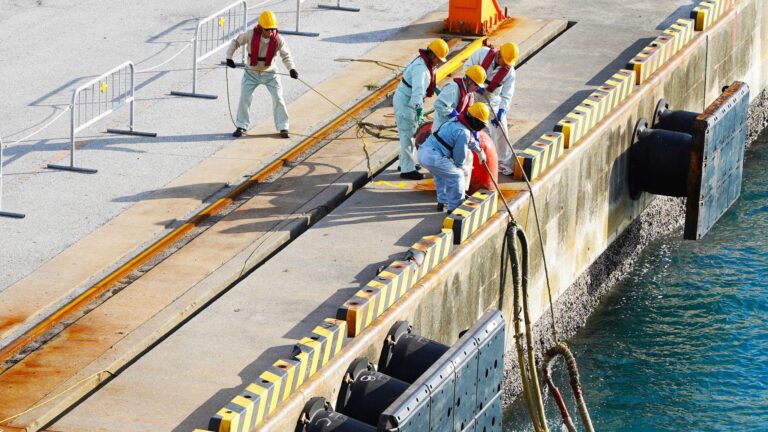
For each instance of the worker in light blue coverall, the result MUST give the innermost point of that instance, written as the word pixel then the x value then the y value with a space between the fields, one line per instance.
pixel 263 44
pixel 454 99
pixel 417 84
pixel 499 65
pixel 445 151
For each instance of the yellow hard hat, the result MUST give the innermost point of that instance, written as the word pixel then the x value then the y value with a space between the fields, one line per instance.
pixel 480 111
pixel 509 53
pixel 267 20
pixel 477 74
pixel 439 47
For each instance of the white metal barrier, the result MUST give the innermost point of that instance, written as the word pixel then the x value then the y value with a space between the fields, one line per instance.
pixel 97 99
pixel 5 213
pixel 298 32
pixel 213 33
pixel 339 7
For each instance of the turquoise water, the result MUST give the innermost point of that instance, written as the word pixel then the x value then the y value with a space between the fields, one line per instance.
pixel 682 343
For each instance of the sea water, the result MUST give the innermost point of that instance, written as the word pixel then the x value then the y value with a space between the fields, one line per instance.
pixel 682 343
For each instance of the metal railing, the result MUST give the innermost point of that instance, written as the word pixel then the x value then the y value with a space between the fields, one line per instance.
pixel 298 32
pixel 97 99
pixel 5 213
pixel 339 7
pixel 213 33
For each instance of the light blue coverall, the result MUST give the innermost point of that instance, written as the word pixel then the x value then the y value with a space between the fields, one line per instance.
pixel 405 101
pixel 498 99
pixel 445 103
pixel 445 163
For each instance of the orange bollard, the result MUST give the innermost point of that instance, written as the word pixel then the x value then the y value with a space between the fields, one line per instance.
pixel 474 17
pixel 480 179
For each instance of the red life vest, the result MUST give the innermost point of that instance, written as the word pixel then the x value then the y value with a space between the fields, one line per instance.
pixel 500 74
pixel 465 98
pixel 271 48
pixel 464 120
pixel 431 67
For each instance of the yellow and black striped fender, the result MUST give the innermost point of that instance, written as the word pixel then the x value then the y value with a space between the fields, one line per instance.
pixel 535 159
pixel 281 379
pixel 377 296
pixel 708 12
pixel 617 88
pixel 682 31
pixel 471 215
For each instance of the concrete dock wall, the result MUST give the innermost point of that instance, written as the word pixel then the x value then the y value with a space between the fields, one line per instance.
pixel 584 209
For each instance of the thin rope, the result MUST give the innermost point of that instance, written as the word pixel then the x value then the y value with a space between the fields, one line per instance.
pixel 56 396
pixel 188 44
pixel 536 217
pixel 69 107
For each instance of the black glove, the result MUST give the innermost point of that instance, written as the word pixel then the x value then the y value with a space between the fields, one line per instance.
pixel 294 74
pixel 231 63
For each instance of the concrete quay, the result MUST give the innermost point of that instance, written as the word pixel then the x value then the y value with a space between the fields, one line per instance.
pixel 189 278
pixel 286 297
pixel 575 235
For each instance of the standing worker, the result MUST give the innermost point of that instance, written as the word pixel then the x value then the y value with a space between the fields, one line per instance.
pixel 456 96
pixel 262 43
pixel 444 152
pixel 418 83
pixel 499 65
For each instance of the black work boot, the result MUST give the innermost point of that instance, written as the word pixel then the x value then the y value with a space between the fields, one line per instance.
pixel 412 175
pixel 440 207
pixel 284 133
pixel 238 132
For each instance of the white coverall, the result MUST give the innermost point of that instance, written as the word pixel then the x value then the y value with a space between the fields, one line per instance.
pixel 498 99
pixel 405 102
pixel 260 74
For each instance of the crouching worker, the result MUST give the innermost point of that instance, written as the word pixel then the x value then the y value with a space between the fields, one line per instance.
pixel 454 99
pixel 444 152
pixel 262 44
pixel 417 84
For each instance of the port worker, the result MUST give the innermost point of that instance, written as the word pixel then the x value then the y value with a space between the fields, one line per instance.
pixel 499 64
pixel 456 96
pixel 445 151
pixel 417 84
pixel 262 43
pixel 454 99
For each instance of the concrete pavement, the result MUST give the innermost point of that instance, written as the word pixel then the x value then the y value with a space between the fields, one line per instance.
pixel 149 214
pixel 50 47
pixel 258 320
